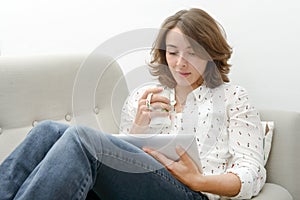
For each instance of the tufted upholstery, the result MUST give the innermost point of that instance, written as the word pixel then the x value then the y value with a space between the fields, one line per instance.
pixel 36 88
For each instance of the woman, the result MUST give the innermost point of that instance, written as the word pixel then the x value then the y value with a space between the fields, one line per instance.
pixel 190 58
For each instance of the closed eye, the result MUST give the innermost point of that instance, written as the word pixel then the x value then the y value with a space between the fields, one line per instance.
pixel 172 52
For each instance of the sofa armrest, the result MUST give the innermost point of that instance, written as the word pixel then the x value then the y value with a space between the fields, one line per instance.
pixel 283 164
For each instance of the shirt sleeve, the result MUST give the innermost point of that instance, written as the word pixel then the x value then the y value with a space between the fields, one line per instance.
pixel 245 144
pixel 129 111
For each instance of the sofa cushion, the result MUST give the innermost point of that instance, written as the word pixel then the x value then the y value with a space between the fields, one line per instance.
pixel 273 191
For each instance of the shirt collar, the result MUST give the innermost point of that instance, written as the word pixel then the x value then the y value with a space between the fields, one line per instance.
pixel 200 92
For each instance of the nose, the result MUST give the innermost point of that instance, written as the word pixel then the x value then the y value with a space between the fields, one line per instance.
pixel 181 61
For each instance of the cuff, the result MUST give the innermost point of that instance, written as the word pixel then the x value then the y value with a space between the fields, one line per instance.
pixel 245 176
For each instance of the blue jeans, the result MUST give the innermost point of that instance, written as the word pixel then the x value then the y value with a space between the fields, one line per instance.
pixel 54 163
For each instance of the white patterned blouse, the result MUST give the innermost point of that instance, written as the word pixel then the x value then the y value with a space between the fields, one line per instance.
pixel 228 131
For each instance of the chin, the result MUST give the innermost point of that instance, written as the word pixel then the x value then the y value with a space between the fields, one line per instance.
pixel 183 82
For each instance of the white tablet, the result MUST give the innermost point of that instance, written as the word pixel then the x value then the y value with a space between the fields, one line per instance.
pixel 166 144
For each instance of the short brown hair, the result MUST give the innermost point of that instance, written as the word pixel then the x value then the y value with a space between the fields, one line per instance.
pixel 199 26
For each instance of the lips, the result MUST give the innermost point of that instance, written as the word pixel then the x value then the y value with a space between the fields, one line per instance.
pixel 184 74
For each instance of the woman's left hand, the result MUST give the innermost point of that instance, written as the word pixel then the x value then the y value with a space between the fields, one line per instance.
pixel 185 170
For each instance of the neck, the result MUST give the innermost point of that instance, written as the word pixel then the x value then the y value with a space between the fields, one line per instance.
pixel 182 92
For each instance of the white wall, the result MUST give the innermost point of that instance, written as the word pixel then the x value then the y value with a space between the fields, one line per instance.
pixel 263 33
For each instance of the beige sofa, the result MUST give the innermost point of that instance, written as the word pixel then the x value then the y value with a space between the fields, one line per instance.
pixel 36 88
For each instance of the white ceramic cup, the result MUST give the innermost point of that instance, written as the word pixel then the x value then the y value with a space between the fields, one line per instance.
pixel 158 120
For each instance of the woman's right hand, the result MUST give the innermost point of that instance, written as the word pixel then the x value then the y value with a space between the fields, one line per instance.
pixel 157 106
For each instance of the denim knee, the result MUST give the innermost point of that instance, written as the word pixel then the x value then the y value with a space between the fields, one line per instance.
pixel 91 139
pixel 48 128
pixel 81 132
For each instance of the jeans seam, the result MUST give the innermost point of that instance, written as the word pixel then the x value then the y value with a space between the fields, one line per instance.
pixel 83 187
pixel 93 161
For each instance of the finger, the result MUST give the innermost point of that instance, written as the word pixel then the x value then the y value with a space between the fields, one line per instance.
pixel 159 98
pixel 142 102
pixel 159 106
pixel 152 90
pixel 158 114
pixel 142 119
pixel 158 156
pixel 184 157
pixel 143 106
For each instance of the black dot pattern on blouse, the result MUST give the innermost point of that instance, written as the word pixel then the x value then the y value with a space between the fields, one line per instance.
pixel 227 130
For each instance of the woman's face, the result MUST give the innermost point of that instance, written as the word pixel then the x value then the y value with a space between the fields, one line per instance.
pixel 186 67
